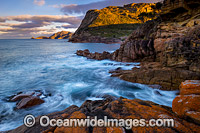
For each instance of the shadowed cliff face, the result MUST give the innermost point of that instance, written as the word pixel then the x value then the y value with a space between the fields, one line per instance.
pixel 180 10
pixel 113 24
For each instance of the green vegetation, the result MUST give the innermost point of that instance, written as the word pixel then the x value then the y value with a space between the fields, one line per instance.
pixel 113 31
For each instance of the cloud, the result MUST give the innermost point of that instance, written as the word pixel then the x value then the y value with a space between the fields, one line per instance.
pixel 12 33
pixel 69 26
pixel 35 25
pixel 77 9
pixel 2 20
pixel 46 18
pixel 31 21
pixel 39 2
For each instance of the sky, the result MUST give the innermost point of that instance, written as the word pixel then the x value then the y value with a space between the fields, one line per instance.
pixel 22 19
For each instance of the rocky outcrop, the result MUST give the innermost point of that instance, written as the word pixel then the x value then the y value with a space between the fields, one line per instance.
pixel 154 73
pixel 122 108
pixel 96 55
pixel 58 35
pixel 27 100
pixel 187 104
pixel 112 24
pixel 179 10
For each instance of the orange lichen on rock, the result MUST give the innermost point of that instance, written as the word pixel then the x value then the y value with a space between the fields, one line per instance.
pixel 190 87
pixel 74 129
pixel 183 104
pixel 187 104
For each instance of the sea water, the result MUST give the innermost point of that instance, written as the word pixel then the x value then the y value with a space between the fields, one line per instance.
pixel 51 66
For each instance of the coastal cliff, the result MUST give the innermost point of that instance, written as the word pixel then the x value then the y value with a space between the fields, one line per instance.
pixel 113 24
pixel 169 45
pixel 169 52
pixel 58 35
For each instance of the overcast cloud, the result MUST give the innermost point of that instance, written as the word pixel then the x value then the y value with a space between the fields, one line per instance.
pixel 77 9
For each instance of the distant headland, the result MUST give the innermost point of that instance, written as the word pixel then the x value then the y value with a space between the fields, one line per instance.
pixel 58 35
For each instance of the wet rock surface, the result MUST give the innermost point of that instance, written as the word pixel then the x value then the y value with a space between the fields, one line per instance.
pixel 152 73
pixel 96 55
pixel 126 109
pixel 29 102
pixel 27 99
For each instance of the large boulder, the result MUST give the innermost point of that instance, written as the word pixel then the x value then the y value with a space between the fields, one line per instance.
pixel 190 87
pixel 187 104
pixel 28 99
pixel 20 97
pixel 29 102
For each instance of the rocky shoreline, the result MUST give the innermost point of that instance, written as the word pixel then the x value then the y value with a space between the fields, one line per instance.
pixel 168 47
pixel 170 54
pixel 185 113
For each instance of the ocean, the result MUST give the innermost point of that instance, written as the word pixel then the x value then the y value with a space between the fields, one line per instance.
pixel 51 66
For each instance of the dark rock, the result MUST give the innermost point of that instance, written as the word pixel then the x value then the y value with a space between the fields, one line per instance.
pixel 21 96
pixel 158 93
pixel 168 78
pixel 96 55
pixel 29 102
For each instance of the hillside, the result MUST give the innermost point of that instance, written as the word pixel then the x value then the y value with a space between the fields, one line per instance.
pixel 113 24
pixel 58 35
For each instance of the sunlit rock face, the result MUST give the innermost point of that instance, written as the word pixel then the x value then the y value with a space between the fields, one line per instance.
pixel 113 24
